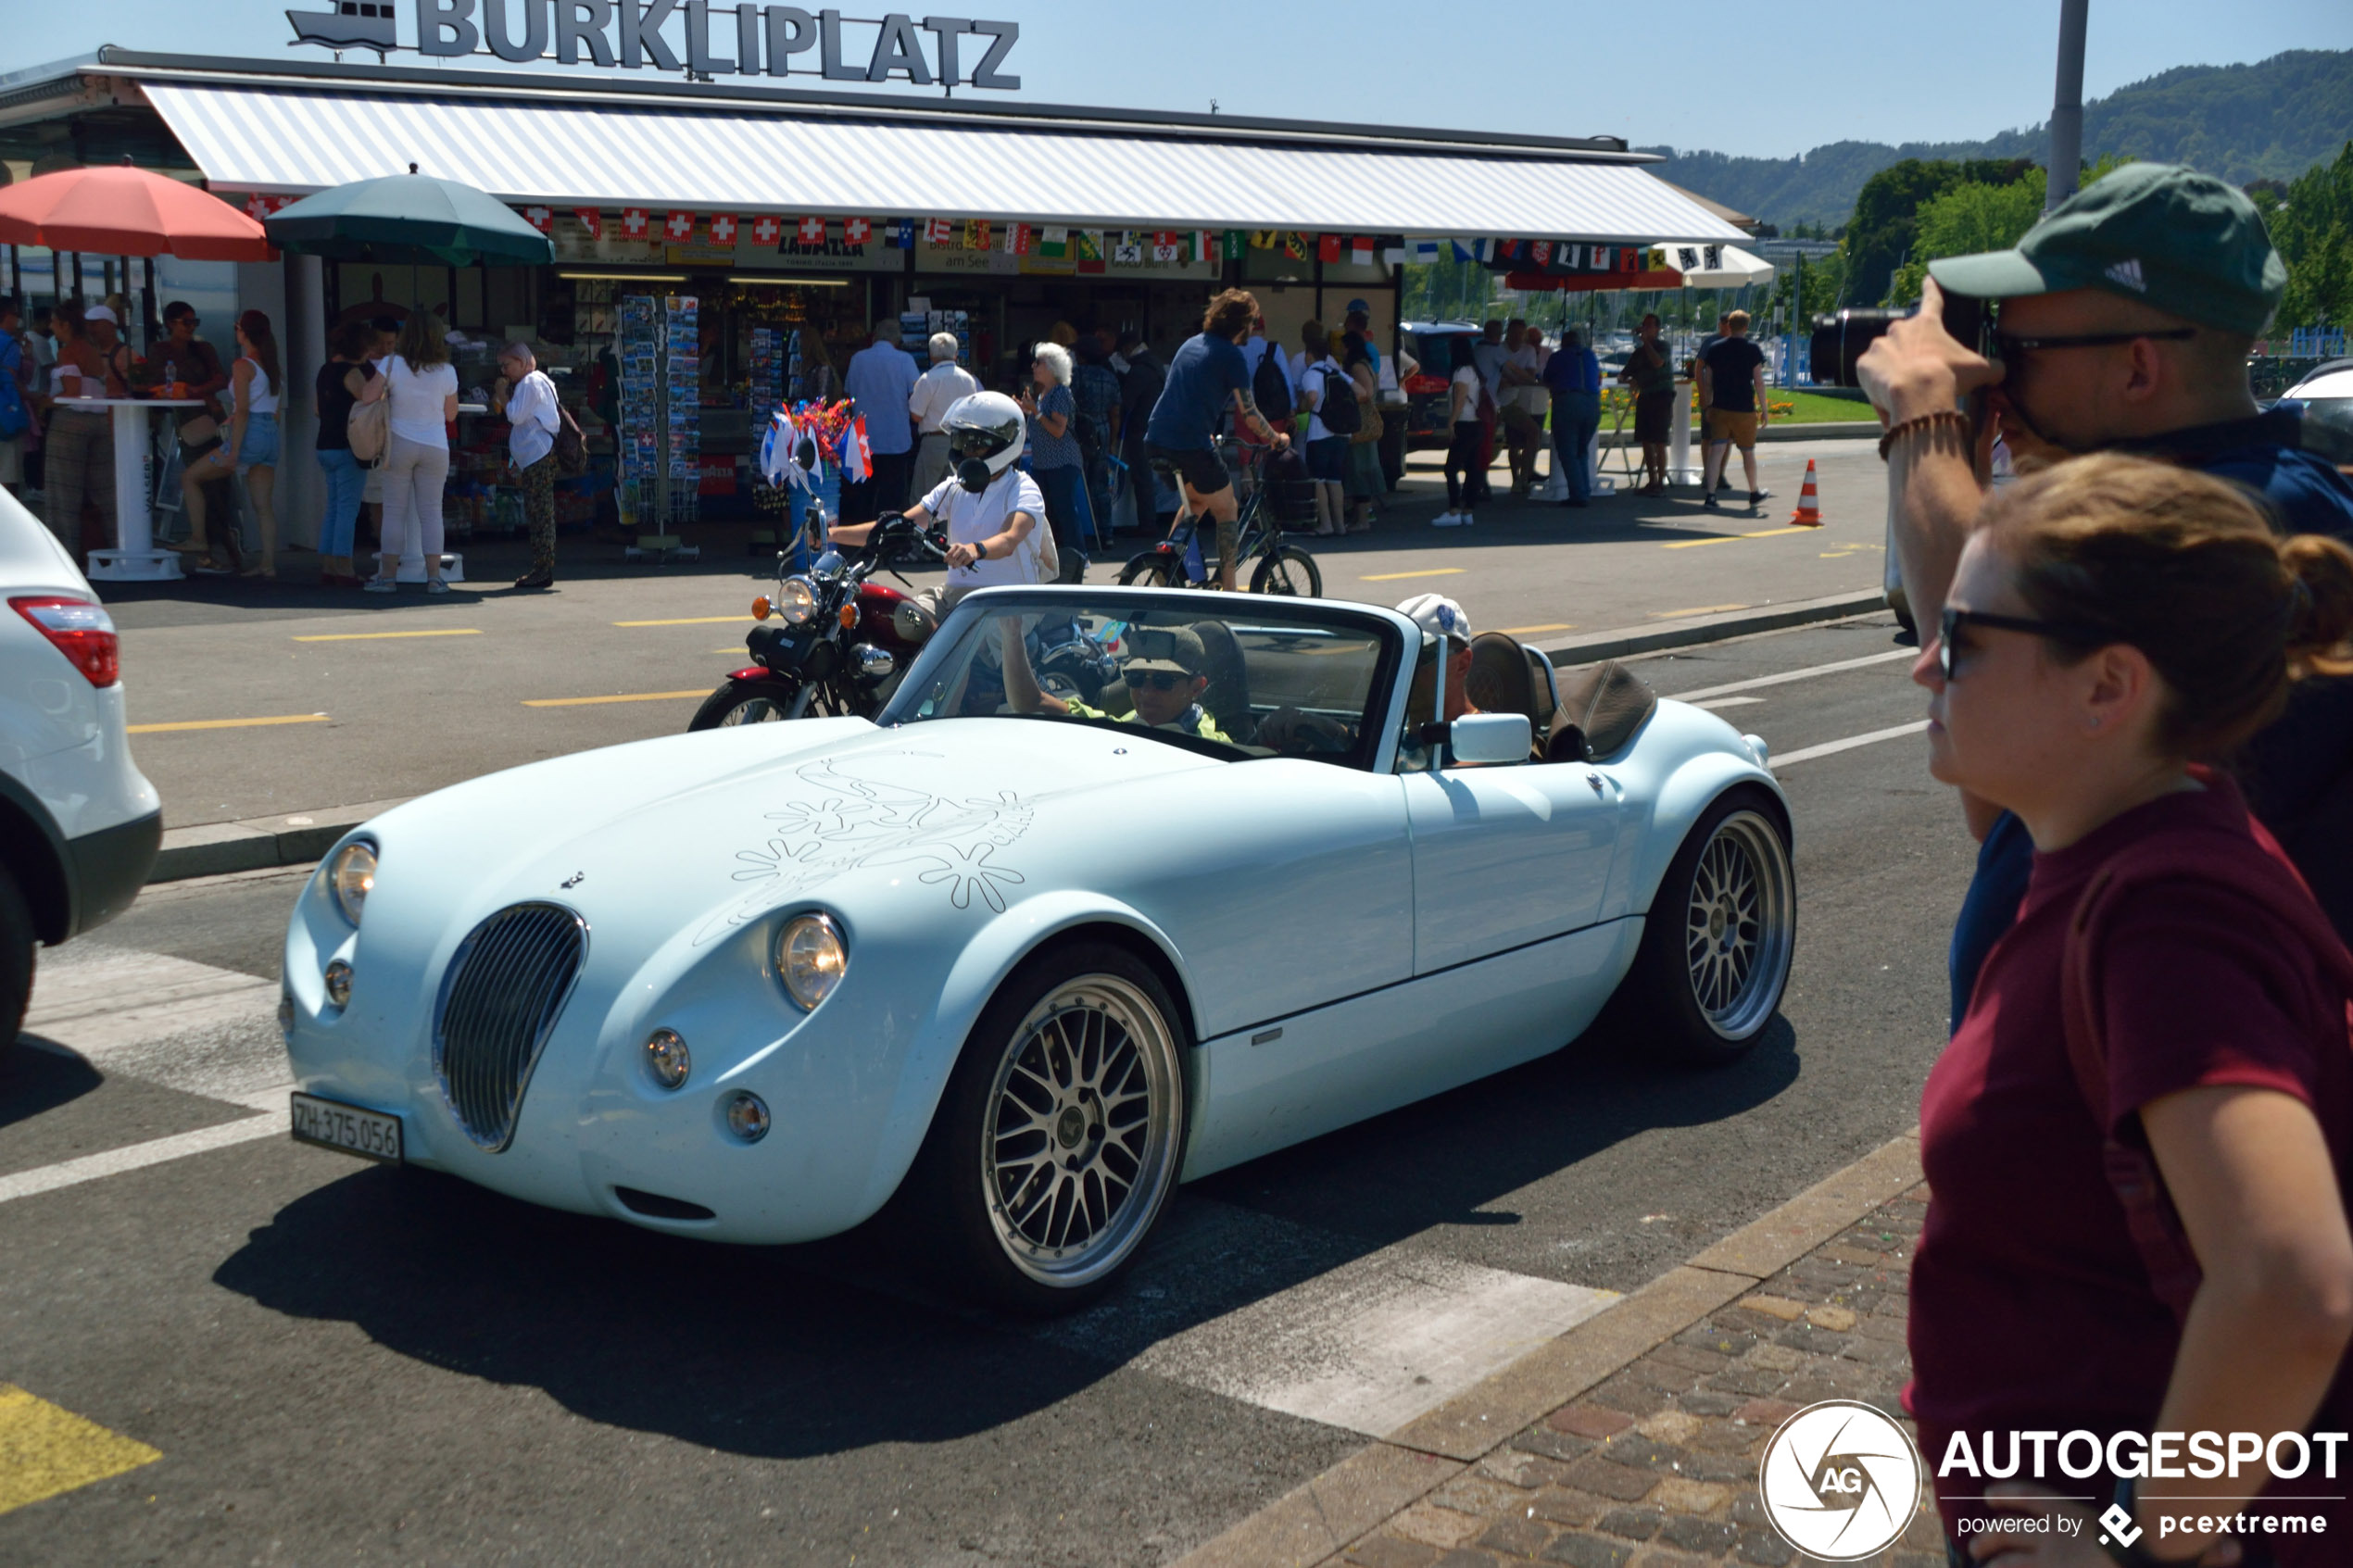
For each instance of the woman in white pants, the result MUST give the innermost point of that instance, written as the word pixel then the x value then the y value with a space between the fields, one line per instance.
pixel 423 386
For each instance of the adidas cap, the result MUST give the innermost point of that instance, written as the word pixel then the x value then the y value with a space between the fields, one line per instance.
pixel 2187 243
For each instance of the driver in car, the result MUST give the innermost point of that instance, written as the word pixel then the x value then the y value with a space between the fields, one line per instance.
pixel 1163 674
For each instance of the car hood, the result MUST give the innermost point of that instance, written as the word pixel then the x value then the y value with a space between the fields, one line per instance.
pixel 694 835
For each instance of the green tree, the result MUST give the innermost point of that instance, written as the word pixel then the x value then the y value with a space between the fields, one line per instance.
pixel 1883 232
pixel 2311 222
pixel 1966 220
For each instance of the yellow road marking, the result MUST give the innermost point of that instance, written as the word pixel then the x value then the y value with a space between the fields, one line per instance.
pixel 226 723
pixel 46 1450
pixel 1699 609
pixel 631 696
pixel 370 636
pixel 1531 630
pixel 1728 538
pixel 1401 576
pixel 690 621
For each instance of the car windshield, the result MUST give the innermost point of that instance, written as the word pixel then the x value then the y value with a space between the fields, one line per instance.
pixel 1289 679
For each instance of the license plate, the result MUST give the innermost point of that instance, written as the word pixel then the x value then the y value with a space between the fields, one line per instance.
pixel 367 1133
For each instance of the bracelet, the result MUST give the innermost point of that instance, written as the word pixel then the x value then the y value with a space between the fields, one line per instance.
pixel 1921 421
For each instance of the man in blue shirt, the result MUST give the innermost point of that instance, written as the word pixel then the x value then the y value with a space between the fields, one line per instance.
pixel 880 378
pixel 2126 316
pixel 1207 376
pixel 1574 378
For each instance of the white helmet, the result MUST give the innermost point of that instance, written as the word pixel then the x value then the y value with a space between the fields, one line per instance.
pixel 983 434
pixel 1438 616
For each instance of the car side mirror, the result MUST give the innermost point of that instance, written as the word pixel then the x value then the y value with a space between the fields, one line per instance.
pixel 1490 737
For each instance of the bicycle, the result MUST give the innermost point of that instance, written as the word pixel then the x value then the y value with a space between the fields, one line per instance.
pixel 1284 569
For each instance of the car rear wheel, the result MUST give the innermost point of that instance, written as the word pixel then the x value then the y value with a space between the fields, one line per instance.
pixel 1061 1133
pixel 1721 934
pixel 16 960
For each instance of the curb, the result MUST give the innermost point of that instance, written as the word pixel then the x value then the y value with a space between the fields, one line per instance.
pixel 258 842
pixel 1324 1516
pixel 1594 646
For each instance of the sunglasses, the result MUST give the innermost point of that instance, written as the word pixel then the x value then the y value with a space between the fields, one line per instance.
pixel 1955 621
pixel 2012 347
pixel 1158 679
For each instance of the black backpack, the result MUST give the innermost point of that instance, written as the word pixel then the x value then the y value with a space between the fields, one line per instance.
pixel 1268 387
pixel 1338 409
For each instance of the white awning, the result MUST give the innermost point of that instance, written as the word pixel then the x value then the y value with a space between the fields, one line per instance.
pixel 1718 267
pixel 572 153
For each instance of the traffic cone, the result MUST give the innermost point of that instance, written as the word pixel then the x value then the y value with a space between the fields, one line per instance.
pixel 1809 512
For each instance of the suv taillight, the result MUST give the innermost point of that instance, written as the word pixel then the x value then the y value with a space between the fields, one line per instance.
pixel 80 630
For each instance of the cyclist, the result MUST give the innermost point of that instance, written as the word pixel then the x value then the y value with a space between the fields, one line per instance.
pixel 1207 376
pixel 991 508
pixel 1165 677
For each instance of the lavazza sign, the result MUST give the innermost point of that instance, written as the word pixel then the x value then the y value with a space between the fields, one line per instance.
pixel 692 36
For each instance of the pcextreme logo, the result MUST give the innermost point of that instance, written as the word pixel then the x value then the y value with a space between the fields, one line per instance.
pixel 1839 1480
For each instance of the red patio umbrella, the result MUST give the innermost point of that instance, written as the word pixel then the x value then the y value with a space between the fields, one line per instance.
pixel 126 211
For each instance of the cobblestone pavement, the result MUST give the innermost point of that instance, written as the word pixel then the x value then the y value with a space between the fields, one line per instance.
pixel 1655 1467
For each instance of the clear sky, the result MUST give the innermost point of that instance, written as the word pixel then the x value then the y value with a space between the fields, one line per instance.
pixel 1738 78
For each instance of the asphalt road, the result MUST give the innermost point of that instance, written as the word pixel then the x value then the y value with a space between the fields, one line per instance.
pixel 339 1361
pixel 317 699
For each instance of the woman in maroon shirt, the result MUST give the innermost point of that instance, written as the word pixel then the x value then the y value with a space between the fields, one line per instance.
pixel 2115 622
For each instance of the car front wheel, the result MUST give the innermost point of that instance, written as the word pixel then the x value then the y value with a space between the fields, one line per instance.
pixel 1061 1133
pixel 1721 934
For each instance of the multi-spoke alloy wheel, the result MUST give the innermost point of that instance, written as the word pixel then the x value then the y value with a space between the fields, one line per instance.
pixel 1079 1145
pixel 1061 1133
pixel 1721 933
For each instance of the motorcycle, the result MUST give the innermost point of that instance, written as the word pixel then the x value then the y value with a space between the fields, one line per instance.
pixel 831 642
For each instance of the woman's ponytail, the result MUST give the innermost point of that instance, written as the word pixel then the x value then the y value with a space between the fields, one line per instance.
pixel 2320 633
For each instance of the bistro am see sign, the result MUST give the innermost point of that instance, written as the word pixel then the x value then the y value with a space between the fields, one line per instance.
pixel 693 36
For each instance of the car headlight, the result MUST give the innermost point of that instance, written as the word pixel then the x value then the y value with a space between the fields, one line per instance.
pixel 795 601
pixel 353 876
pixel 810 958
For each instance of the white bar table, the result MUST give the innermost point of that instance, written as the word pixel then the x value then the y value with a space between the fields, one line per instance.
pixel 134 558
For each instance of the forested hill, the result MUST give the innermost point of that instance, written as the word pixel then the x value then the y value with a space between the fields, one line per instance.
pixel 2272 120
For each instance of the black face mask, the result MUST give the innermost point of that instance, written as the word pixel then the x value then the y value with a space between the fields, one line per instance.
pixel 973 475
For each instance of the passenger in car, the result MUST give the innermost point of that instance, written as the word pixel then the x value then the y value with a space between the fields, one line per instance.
pixel 1165 677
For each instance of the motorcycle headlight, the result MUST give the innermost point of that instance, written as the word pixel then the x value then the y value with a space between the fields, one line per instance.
pixel 810 958
pixel 795 601
pixel 353 876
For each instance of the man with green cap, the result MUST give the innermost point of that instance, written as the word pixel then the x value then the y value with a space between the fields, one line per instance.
pixel 2125 320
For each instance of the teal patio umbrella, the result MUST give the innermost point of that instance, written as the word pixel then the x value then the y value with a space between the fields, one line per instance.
pixel 410 219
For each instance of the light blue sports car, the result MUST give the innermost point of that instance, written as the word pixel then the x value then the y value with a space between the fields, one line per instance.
pixel 1024 953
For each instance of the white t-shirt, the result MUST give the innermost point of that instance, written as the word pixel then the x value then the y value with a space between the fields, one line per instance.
pixel 1532 398
pixel 936 391
pixel 417 398
pixel 1467 378
pixel 531 410
pixel 971 519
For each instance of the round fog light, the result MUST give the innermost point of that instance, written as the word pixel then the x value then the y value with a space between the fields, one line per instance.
pixel 746 1115
pixel 339 983
pixel 666 1058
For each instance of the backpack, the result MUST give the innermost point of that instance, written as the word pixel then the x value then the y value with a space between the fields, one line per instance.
pixel 2268 887
pixel 1269 388
pixel 369 428
pixel 1338 408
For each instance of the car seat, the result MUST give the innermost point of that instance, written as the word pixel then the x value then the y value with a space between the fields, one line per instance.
pixel 1506 677
pixel 1602 707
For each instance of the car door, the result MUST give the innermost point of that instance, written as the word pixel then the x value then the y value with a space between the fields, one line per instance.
pixel 1506 856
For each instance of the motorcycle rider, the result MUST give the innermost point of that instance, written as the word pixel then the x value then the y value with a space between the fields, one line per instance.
pixel 989 507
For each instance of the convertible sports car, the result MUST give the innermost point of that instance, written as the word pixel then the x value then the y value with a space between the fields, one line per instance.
pixel 1016 960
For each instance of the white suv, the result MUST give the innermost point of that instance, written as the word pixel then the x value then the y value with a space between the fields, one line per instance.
pixel 78 822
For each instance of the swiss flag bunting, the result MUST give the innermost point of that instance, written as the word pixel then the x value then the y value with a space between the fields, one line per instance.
pixel 590 220
pixel 722 228
pixel 857 231
pixel 679 227
pixel 1327 247
pixel 632 222
pixel 767 229
pixel 539 218
pixel 813 230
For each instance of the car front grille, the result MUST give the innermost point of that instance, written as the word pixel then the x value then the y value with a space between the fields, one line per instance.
pixel 500 1002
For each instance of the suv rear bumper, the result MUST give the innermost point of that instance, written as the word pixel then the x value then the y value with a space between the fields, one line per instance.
pixel 109 868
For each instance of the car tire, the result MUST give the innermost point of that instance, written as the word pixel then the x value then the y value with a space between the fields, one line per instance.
pixel 16 944
pixel 737 702
pixel 1149 570
pixel 1720 936
pixel 1045 1236
pixel 1289 572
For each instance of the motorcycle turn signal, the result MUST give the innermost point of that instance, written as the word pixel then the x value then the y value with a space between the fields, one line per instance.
pixel 761 606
